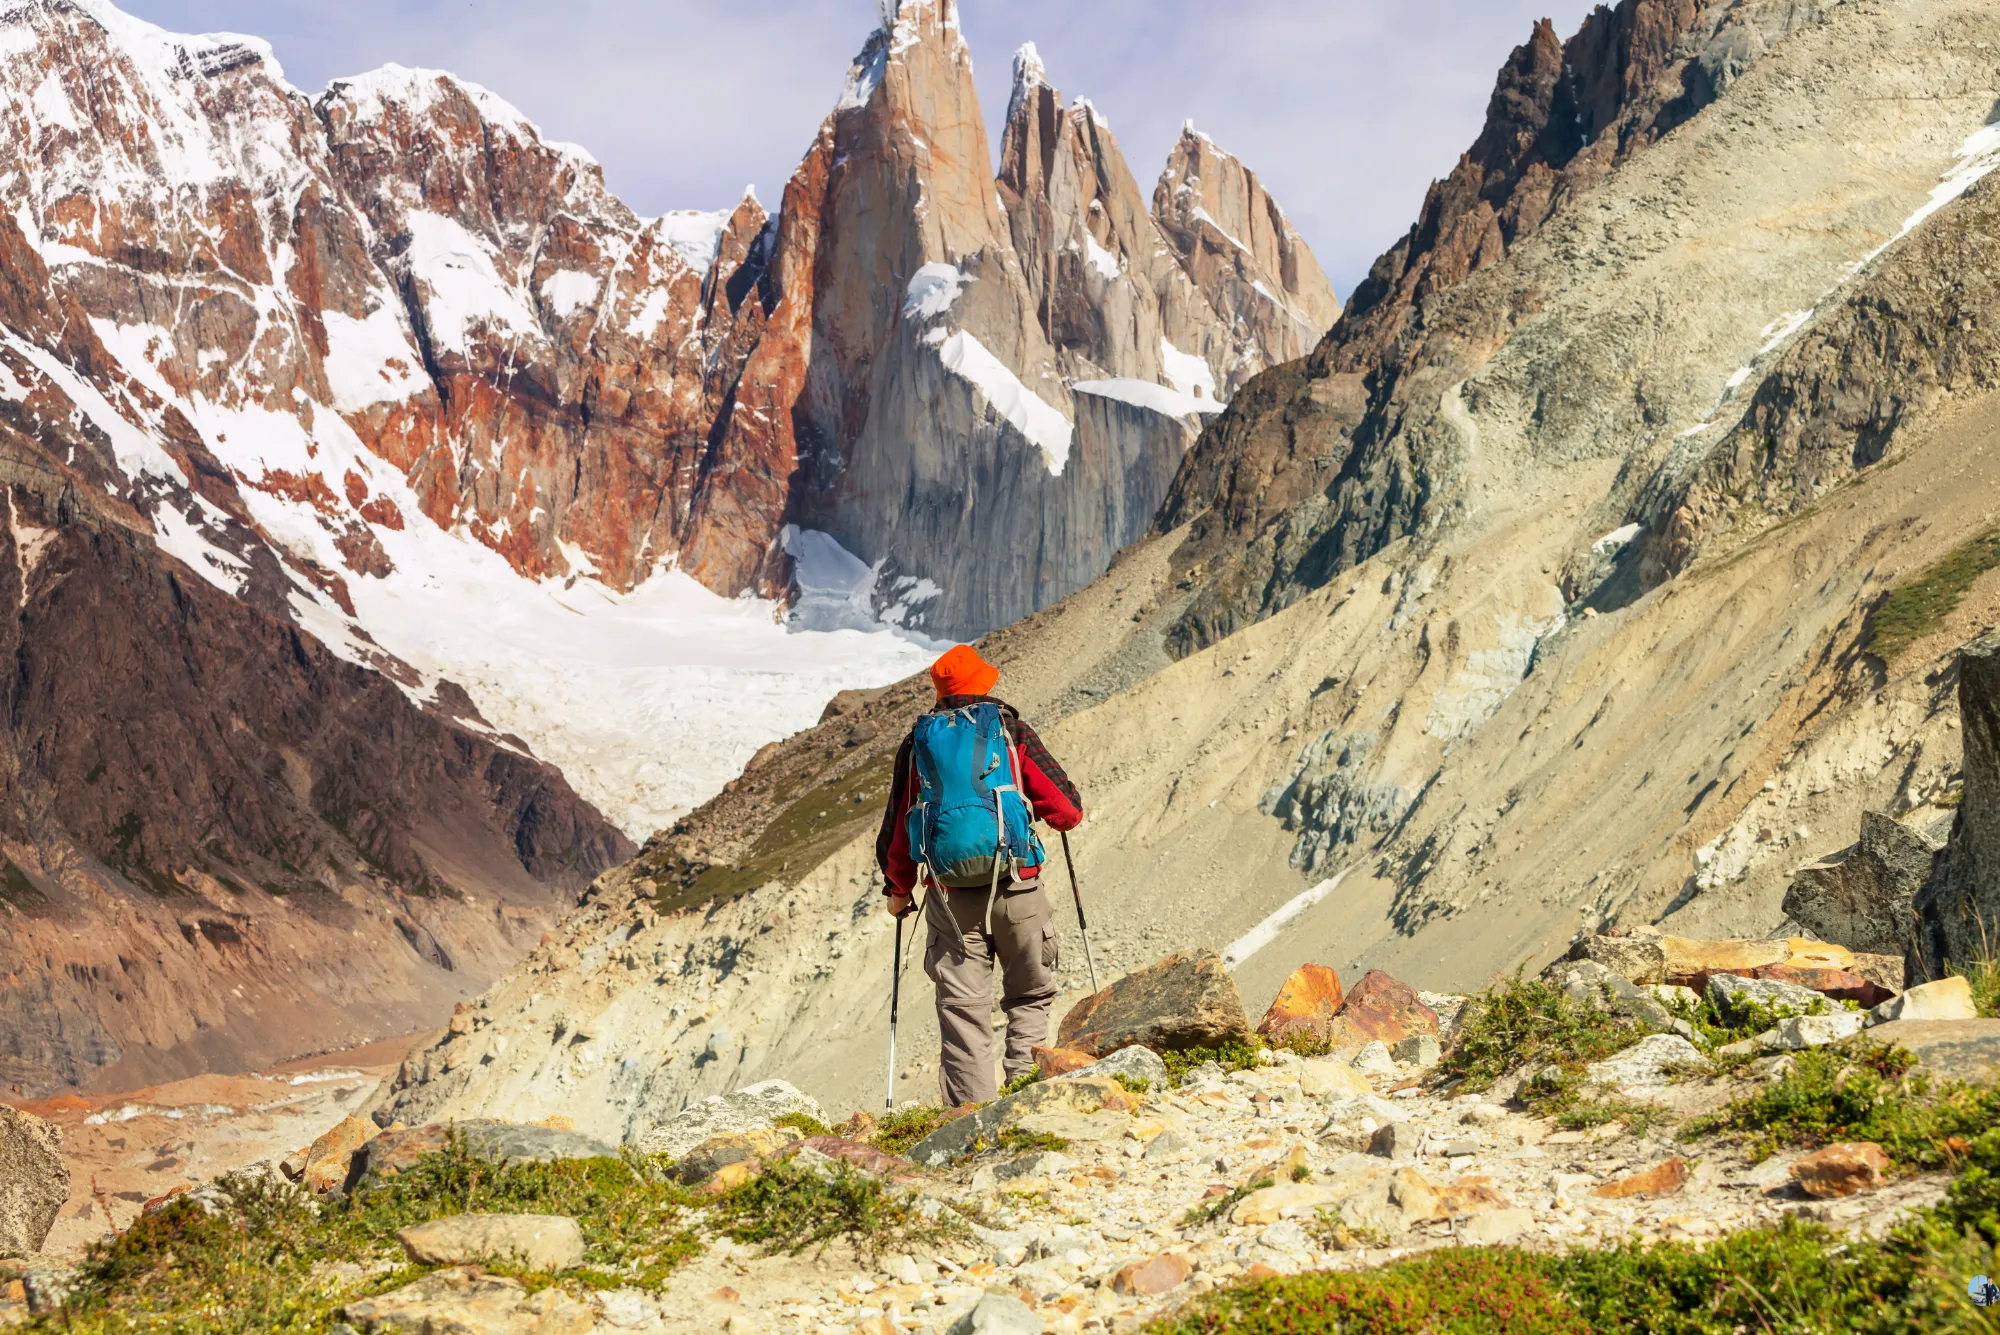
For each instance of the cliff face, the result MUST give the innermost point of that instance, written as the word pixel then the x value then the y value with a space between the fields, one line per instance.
pixel 591 394
pixel 1335 459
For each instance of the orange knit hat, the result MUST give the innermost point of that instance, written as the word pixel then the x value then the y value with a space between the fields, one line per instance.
pixel 963 672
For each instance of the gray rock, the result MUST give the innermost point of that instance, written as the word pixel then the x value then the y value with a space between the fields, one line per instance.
pixel 394 1152
pixel 1167 1147
pixel 1733 997
pixel 538 1241
pixel 1967 1050
pixel 1591 984
pixel 1863 897
pixel 1287 1237
pixel 1461 1146
pixel 1482 1114
pixel 1195 1075
pixel 1636 959
pixel 1396 1141
pixel 463 1300
pixel 34 1181
pixel 1419 1050
pixel 1134 1062
pixel 955 1138
pixel 996 1314
pixel 1814 1031
pixel 1494 1228
pixel 1374 1059
pixel 1649 1063
pixel 1046 1163
pixel 748 1109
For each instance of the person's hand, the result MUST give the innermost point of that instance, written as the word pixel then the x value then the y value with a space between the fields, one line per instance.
pixel 899 905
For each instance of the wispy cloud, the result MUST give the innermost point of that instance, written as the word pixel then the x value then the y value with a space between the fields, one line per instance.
pixel 1347 108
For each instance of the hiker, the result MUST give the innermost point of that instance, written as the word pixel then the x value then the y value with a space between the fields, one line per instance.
pixel 956 817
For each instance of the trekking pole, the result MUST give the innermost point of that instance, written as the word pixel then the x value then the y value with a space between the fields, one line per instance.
pixel 895 999
pixel 1069 861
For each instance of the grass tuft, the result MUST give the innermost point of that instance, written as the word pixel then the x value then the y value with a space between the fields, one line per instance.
pixel 1520 1022
pixel 1915 609
pixel 790 1207
pixel 897 1132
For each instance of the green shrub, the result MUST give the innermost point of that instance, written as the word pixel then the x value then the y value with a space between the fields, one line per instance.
pixel 1233 1056
pixel 1526 1022
pixel 1014 1140
pixel 897 1132
pixel 803 1123
pixel 1021 1081
pixel 1134 1084
pixel 789 1207
pixel 1913 610
pixel 1865 1093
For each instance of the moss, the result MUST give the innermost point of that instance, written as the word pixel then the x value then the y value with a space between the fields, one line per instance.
pixel 803 1123
pixel 1230 1057
pixel 1021 1081
pixel 1916 608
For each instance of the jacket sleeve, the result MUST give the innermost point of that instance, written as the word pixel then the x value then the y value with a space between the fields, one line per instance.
pixel 1048 789
pixel 892 842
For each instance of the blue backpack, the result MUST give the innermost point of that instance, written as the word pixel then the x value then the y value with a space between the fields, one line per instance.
pixel 971 824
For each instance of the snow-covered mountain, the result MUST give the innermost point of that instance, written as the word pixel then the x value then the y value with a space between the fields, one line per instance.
pixel 426 407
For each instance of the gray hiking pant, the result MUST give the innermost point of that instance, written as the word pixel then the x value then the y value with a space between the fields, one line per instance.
pixel 959 956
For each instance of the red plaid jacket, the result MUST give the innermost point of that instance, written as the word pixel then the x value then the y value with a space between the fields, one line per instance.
pixel 1049 792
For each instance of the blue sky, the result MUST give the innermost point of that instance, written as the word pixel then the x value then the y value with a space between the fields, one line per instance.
pixel 1347 108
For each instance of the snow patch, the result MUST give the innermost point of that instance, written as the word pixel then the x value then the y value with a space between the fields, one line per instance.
pixel 694 236
pixel 462 289
pixel 568 291
pixel 378 94
pixel 1265 932
pixel 1029 74
pixel 371 361
pixel 1101 259
pixel 1188 373
pixel 1027 412
pixel 1615 541
pixel 932 290
pixel 1146 394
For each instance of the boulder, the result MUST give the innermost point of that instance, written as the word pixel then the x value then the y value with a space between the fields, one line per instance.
pixel 1187 1000
pixel 1074 1094
pixel 1281 1200
pixel 545 1242
pixel 1333 1080
pixel 467 1302
pixel 1134 1063
pixel 1396 1141
pixel 748 1109
pixel 1154 1275
pixel 1885 971
pixel 322 1165
pixel 395 1152
pixel 1864 896
pixel 1061 1061
pixel 1663 1179
pixel 1967 1050
pixel 1380 1009
pixel 1833 984
pixel 1841 1170
pixel 1305 1006
pixel 877 1163
pixel 1958 906
pixel 1691 961
pixel 1045 1163
pixel 700 1164
pixel 1945 999
pixel 1647 1064
pixel 34 1181
pixel 1735 998
pixel 1636 959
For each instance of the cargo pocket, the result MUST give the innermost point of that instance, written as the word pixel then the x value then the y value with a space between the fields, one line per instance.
pixel 1051 947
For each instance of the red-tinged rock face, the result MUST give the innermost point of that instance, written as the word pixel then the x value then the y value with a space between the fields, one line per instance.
pixel 1842 1170
pixel 1380 1007
pixel 1305 1005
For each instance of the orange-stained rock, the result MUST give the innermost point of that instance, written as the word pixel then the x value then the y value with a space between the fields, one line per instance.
pixel 1380 1007
pixel 1691 961
pixel 1156 1274
pixel 1842 1170
pixel 1304 1006
pixel 1836 984
pixel 1061 1061
pixel 1259 1271
pixel 1662 1179
pixel 324 1166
